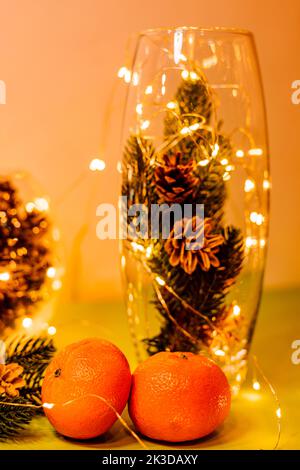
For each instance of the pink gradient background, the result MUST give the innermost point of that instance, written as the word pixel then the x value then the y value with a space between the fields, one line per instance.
pixel 59 60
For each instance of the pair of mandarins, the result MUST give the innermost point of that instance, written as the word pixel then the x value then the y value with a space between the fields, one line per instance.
pixel 171 397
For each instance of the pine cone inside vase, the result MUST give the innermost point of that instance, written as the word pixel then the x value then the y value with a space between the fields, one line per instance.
pixel 11 380
pixel 205 244
pixel 175 181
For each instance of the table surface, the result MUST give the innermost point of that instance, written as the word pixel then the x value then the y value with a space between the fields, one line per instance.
pixel 252 423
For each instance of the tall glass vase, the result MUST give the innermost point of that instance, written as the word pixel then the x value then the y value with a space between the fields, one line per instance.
pixel 195 187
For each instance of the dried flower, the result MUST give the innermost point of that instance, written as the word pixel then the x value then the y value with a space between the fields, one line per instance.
pixel 10 379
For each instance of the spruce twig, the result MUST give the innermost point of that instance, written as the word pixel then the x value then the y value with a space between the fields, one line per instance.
pixel 13 416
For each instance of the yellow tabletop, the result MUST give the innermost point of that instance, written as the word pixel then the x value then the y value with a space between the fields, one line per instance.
pixel 253 423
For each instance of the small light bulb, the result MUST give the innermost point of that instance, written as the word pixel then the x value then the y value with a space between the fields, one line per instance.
pixel 185 74
pixel 194 127
pixel 219 352
pixel 4 276
pixel 51 272
pixel 250 241
pixel 48 406
pixel 127 76
pixel 236 310
pixel 51 330
pixel 224 161
pixel 255 151
pixel 239 153
pixel 41 204
pixel 194 76
pixel 160 281
pixel 145 125
pixel 97 165
pixel 204 162
pixel 149 90
pixel 249 185
pixel 256 385
pixel 171 105
pixel 185 130
pixel 56 285
pixel 27 322
pixel 135 79
pixel 215 150
pixel 266 184
pixel 148 252
pixel 123 261
pixel 139 108
pixel 121 72
pixel 30 206
pixel 278 413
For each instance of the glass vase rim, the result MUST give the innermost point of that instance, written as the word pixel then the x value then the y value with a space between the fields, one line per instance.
pixel 200 29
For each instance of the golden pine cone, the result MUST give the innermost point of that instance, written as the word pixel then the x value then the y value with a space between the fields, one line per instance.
pixel 204 254
pixel 10 379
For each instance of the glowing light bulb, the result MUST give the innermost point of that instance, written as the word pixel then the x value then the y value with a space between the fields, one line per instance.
pixel 185 74
pixel 236 310
pixel 97 165
pixel 195 126
pixel 48 406
pixel 135 79
pixel 51 272
pixel 149 90
pixel 255 151
pixel 250 242
pixel 204 162
pixel 185 130
pixel 145 125
pixel 256 218
pixel 41 204
pixel 29 207
pixel 194 76
pixel 56 284
pixel 123 261
pixel 27 322
pixel 215 150
pixel 278 413
pixel 239 153
pixel 256 385
pixel 122 71
pixel 4 276
pixel 171 105
pixel 51 330
pixel 224 161
pixel 229 168
pixel 127 76
pixel 148 252
pixel 139 108
pixel 220 352
pixel 262 243
pixel 249 185
pixel 137 247
pixel 266 184
pixel 160 281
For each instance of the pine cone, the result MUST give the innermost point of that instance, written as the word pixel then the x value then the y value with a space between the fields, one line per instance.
pixel 10 379
pixel 175 181
pixel 189 259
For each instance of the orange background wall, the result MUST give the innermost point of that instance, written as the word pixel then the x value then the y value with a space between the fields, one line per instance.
pixel 59 61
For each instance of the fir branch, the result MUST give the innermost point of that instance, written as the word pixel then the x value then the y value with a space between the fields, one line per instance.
pixel 13 416
pixel 34 355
